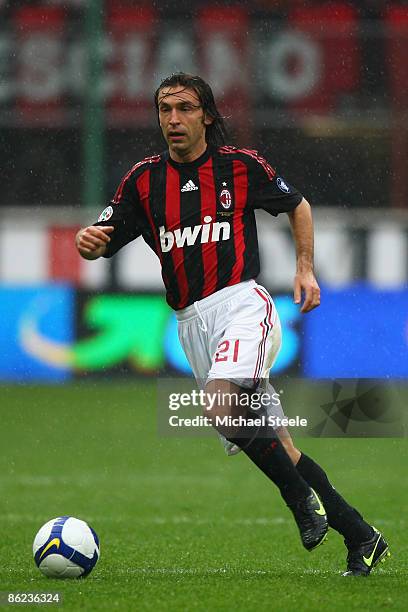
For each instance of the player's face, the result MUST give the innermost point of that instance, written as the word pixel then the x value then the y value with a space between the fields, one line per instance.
pixel 183 122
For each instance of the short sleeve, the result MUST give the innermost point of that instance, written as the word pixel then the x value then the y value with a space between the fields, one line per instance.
pixel 270 191
pixel 124 213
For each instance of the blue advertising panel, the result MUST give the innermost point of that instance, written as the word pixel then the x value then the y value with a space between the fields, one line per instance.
pixel 51 333
pixel 36 330
pixel 358 332
pixel 123 333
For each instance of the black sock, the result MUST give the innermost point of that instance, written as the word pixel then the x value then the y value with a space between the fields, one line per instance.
pixel 264 448
pixel 343 518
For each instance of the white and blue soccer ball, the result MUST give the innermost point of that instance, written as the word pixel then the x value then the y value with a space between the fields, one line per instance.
pixel 66 547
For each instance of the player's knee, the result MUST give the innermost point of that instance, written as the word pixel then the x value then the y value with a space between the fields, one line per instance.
pixel 293 452
pixel 222 398
pixel 222 406
pixel 287 442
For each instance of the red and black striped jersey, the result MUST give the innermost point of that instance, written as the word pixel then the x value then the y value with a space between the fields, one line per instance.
pixel 198 217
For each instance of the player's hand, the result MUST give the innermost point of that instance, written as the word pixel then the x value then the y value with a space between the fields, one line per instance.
pixel 306 282
pixel 91 241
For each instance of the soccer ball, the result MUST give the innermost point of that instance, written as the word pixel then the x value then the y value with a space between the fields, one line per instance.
pixel 66 547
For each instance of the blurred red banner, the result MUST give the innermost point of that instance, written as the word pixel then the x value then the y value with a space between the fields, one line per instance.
pixel 397 56
pixel 333 58
pixel 132 38
pixel 39 68
pixel 308 63
pixel 223 57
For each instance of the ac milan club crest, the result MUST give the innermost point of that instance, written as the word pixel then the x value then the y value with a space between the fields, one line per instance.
pixel 225 199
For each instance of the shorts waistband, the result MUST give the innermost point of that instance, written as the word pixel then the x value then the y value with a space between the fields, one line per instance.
pixel 219 297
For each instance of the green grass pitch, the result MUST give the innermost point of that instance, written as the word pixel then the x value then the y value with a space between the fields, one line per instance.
pixel 182 526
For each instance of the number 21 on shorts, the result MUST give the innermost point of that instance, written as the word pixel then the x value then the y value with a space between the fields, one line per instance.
pixel 227 349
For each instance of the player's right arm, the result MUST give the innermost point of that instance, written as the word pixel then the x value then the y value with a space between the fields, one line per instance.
pixel 119 223
pixel 92 241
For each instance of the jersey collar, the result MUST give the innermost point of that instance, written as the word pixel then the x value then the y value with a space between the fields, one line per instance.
pixel 194 164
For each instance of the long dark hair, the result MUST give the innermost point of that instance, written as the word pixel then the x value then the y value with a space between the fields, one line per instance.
pixel 215 134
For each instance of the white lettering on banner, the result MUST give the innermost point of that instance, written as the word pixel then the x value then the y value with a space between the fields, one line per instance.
pixel 76 69
pixel 334 255
pixel 277 256
pixel 223 63
pixel 25 268
pixel 188 235
pixel 287 84
pixel 40 68
pixel 5 83
pixel 387 256
pixel 138 269
pixel 47 66
pixel 110 85
pixel 135 58
pixel 176 52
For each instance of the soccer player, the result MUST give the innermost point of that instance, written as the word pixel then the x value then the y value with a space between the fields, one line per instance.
pixel 195 207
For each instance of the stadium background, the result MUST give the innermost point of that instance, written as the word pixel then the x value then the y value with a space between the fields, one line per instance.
pixel 320 88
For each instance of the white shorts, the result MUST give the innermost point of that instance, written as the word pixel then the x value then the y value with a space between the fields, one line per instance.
pixel 233 334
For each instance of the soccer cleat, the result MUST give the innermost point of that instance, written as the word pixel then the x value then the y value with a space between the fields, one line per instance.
pixel 362 559
pixel 311 519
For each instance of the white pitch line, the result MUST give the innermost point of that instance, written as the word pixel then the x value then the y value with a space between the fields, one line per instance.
pixel 83 480
pixel 223 571
pixel 192 571
pixel 158 520
pixel 183 520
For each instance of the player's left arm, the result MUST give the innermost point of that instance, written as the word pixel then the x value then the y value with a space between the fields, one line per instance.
pixel 301 222
pixel 272 193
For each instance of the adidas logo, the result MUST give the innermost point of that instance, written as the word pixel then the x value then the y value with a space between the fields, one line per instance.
pixel 189 186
